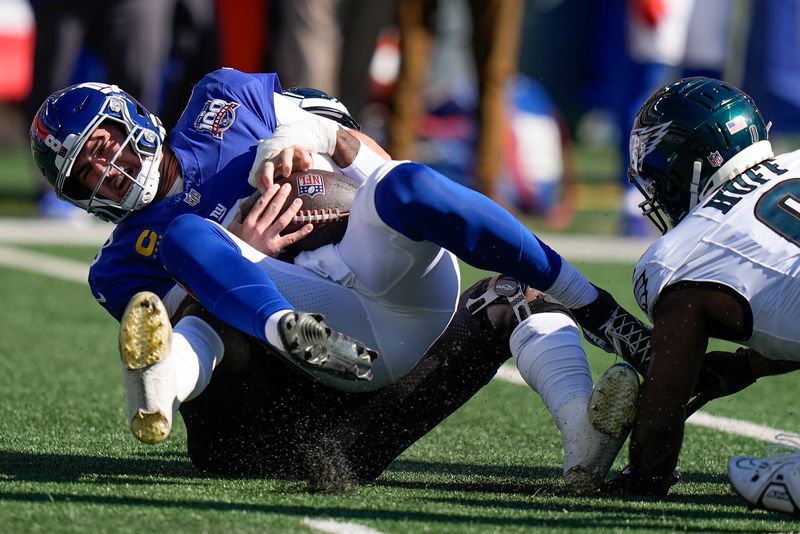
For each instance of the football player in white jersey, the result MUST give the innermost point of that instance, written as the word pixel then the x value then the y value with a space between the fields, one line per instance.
pixel 727 266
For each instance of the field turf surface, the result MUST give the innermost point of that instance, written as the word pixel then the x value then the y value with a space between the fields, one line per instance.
pixel 69 464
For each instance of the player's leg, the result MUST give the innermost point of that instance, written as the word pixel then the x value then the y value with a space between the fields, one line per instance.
pixel 164 366
pixel 424 205
pixel 547 346
pixel 266 419
pixel 221 273
pixel 594 422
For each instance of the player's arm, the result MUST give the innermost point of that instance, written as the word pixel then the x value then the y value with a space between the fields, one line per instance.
pixel 683 321
pixel 679 340
pixel 299 134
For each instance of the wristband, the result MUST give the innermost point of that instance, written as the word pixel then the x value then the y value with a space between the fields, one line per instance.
pixel 366 162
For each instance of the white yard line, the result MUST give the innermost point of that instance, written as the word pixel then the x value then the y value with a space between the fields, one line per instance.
pixel 572 247
pixel 24 260
pixel 509 373
pixel 335 527
pixel 47 232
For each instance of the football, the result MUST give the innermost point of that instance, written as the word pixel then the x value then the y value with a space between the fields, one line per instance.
pixel 327 197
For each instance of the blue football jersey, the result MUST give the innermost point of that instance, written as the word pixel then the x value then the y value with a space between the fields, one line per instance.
pixel 215 142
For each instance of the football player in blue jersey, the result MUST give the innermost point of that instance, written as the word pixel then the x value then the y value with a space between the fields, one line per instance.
pixel 392 283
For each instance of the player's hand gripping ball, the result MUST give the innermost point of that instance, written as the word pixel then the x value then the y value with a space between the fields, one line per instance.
pixel 327 197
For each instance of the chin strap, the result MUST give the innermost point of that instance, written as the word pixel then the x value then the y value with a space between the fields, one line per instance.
pixel 694 187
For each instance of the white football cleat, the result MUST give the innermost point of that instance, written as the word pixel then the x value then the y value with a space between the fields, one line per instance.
pixel 593 432
pixel 145 337
pixel 769 483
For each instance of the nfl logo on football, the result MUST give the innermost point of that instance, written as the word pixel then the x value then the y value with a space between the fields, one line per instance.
pixel 310 185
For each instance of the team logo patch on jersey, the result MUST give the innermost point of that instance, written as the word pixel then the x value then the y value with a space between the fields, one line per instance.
pixel 218 212
pixel 310 185
pixel 715 158
pixel 736 125
pixel 645 140
pixel 216 117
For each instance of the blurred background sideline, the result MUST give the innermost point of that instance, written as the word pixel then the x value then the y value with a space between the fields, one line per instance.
pixel 528 101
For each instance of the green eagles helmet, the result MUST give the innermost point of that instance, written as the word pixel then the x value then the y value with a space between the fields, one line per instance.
pixel 688 139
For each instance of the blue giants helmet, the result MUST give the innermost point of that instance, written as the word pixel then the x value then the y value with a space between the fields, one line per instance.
pixel 68 118
pixel 690 138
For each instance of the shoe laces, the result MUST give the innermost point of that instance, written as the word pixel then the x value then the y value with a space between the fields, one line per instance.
pixel 630 339
pixel 787 445
pixel 786 449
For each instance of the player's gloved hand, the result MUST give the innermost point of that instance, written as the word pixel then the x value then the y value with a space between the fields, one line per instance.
pixel 316 134
pixel 628 483
pixel 722 374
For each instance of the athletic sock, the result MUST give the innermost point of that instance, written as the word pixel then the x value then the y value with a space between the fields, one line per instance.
pixel 549 355
pixel 196 350
pixel 271 330
pixel 571 288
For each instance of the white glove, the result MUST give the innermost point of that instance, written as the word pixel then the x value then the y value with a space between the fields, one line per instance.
pixel 317 134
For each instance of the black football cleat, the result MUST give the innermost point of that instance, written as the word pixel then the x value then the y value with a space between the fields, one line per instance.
pixel 310 342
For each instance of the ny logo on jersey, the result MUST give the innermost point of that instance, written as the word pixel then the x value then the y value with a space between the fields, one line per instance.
pixel 310 185
pixel 216 117
pixel 645 140
pixel 219 212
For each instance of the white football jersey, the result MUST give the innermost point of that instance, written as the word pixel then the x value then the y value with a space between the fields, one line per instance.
pixel 745 236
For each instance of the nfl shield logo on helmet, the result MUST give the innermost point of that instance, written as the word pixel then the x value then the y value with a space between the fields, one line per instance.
pixel 715 158
pixel 310 185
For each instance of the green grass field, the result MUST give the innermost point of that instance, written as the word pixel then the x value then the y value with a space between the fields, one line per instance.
pixel 68 463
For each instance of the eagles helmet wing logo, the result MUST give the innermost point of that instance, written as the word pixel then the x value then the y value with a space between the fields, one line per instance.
pixel 645 140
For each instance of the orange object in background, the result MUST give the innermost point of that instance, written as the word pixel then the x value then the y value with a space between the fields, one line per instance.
pixel 16 50
pixel 243 36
